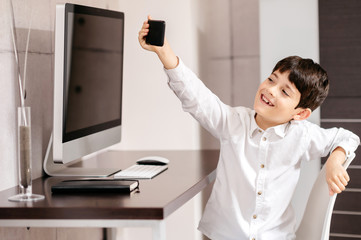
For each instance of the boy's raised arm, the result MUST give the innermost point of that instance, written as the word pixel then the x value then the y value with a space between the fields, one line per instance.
pixel 165 53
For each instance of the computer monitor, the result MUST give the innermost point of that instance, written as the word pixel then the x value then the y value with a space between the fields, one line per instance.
pixel 88 74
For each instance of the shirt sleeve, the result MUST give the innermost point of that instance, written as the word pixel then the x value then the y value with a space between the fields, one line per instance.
pixel 324 141
pixel 198 100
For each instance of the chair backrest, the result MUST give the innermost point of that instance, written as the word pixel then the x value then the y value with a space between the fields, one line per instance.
pixel 315 224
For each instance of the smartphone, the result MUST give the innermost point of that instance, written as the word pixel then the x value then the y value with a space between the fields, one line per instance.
pixel 156 33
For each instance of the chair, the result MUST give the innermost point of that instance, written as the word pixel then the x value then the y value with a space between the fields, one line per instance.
pixel 316 220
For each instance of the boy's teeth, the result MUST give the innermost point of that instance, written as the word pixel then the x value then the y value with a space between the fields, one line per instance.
pixel 264 99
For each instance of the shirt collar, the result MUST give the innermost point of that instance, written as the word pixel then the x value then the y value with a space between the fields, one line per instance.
pixel 279 130
pixel 253 127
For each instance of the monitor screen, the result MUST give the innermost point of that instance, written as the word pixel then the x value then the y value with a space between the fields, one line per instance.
pixel 88 76
pixel 94 55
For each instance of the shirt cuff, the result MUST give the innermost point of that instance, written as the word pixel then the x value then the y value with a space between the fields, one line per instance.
pixel 349 148
pixel 345 148
pixel 175 74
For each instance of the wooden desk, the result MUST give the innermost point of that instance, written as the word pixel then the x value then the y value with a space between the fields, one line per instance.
pixel 189 173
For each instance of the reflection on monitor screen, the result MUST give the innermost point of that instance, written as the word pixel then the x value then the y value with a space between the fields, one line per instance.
pixel 93 75
pixel 88 74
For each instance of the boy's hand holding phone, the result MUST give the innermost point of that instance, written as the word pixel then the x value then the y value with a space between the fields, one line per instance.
pixel 151 36
pixel 157 42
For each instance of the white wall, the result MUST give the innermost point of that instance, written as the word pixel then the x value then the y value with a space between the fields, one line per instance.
pixel 153 117
pixel 287 27
pixel 290 27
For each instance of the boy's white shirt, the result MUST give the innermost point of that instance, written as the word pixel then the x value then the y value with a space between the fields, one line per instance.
pixel 257 170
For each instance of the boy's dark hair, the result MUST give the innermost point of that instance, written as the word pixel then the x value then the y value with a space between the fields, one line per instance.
pixel 309 77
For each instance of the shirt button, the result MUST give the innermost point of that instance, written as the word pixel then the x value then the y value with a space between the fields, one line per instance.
pixel 262 165
pixel 253 239
pixel 264 139
pixel 259 193
pixel 254 216
pixel 259 130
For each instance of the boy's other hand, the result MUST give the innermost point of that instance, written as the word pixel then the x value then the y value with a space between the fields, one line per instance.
pixel 336 175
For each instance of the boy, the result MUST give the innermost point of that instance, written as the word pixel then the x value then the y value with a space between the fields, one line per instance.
pixel 261 149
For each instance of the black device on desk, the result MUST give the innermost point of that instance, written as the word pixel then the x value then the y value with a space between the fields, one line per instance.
pixel 95 186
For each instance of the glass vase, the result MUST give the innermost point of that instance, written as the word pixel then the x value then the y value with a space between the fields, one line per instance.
pixel 24 158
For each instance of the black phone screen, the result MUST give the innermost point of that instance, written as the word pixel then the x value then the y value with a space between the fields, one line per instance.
pixel 156 33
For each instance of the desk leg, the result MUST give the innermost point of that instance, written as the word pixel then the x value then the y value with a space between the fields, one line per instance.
pixel 159 231
pixel 109 233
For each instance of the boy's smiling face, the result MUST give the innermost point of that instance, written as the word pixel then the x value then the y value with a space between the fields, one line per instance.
pixel 276 100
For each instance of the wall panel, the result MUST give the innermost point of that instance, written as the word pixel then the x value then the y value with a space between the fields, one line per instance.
pixel 340 55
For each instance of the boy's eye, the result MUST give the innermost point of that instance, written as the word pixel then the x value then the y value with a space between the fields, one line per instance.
pixel 270 79
pixel 285 93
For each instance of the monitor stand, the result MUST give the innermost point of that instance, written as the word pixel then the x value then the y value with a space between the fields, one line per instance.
pixel 62 170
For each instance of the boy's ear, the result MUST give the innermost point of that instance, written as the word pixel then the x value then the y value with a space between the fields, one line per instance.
pixel 302 114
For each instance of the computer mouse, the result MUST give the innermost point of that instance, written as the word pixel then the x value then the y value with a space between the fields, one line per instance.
pixel 153 160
